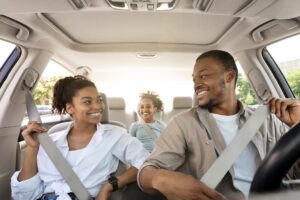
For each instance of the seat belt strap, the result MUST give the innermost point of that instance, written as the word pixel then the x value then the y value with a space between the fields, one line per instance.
pixel 221 166
pixel 54 154
pixel 148 130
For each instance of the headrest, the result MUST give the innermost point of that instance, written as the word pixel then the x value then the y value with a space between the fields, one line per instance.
pixel 105 114
pixel 182 102
pixel 116 103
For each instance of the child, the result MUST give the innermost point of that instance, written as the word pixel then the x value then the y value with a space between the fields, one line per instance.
pixel 147 129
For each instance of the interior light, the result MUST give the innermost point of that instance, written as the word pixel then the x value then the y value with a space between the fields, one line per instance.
pixel 142 5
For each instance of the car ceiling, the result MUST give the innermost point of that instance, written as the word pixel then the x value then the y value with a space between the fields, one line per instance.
pixel 99 36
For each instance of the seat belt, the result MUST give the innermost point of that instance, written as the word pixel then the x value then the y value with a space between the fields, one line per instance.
pixel 54 154
pixel 148 130
pixel 222 164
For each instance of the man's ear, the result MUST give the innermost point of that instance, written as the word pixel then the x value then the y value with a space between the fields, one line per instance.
pixel 230 76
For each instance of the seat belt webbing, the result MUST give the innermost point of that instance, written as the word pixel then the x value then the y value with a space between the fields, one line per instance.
pixel 148 130
pixel 54 154
pixel 221 166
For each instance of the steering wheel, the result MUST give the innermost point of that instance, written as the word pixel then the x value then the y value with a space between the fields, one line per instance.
pixel 274 167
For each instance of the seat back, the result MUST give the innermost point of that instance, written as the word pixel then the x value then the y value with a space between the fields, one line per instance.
pixel 180 104
pixel 117 111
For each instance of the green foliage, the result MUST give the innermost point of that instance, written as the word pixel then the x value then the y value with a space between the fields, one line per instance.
pixel 293 78
pixel 42 94
pixel 244 91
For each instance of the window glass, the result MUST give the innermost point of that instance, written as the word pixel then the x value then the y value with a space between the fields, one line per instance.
pixel 5 48
pixel 286 53
pixel 42 93
pixel 8 57
pixel 244 90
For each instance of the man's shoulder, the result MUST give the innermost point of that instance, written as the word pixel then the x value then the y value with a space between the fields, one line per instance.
pixel 186 115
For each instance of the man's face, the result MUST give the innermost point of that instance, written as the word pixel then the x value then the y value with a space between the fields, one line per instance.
pixel 209 83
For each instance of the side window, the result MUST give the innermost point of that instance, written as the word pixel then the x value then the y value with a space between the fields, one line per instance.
pixel 286 55
pixel 244 90
pixel 8 57
pixel 42 93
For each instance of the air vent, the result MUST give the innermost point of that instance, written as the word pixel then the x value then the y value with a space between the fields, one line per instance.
pixel 142 5
pixel 80 4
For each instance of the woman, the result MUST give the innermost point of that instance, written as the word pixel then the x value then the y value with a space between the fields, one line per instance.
pixel 92 149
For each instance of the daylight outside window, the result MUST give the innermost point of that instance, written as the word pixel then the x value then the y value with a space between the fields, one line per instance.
pixel 286 53
pixel 6 48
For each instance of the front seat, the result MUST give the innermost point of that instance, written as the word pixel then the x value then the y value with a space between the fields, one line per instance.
pixel 117 195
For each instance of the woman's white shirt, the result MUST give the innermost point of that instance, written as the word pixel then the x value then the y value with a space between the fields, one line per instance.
pixel 93 164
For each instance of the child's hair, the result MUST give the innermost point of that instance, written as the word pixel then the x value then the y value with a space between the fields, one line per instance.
pixel 157 102
pixel 65 89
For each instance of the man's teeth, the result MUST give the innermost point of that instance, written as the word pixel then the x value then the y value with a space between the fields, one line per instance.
pixel 201 93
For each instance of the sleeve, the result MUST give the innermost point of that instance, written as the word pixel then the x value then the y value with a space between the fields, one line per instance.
pixel 169 152
pixel 133 129
pixel 170 148
pixel 28 189
pixel 130 151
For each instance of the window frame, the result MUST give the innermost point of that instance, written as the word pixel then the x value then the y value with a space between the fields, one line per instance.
pixel 277 73
pixel 9 64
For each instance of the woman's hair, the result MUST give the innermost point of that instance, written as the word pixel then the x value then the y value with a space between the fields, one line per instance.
pixel 65 89
pixel 157 102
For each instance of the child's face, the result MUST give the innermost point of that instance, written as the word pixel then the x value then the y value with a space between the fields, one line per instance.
pixel 147 110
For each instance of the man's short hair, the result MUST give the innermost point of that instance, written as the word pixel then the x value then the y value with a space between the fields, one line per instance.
pixel 223 57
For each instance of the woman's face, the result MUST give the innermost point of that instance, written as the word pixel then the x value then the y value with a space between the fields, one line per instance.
pixel 87 106
pixel 147 110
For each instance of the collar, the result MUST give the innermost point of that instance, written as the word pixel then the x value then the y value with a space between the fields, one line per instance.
pixel 60 138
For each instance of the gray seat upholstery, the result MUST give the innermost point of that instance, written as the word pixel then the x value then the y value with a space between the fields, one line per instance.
pixel 180 104
pixel 117 111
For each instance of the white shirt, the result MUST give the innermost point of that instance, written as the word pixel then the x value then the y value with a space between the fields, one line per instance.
pixel 245 166
pixel 93 165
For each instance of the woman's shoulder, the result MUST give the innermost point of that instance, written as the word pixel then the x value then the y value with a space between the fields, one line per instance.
pixel 111 128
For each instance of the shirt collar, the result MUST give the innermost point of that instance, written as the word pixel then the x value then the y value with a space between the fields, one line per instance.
pixel 60 138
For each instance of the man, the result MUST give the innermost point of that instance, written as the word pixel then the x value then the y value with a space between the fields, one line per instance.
pixel 189 146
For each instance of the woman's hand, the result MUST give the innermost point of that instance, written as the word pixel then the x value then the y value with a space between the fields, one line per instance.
pixel 105 192
pixel 29 136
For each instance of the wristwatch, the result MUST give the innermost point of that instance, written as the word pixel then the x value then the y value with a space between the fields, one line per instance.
pixel 113 181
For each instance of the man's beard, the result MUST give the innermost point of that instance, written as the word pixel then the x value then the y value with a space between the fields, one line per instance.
pixel 213 102
pixel 209 105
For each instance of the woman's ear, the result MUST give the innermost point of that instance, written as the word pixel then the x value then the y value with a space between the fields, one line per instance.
pixel 69 108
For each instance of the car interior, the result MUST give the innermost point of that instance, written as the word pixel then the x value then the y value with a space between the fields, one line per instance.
pixel 127 47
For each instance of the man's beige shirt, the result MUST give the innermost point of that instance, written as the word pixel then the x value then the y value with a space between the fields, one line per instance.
pixel 188 145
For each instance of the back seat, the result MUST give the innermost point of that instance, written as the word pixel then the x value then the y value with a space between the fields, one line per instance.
pixel 117 111
pixel 180 104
